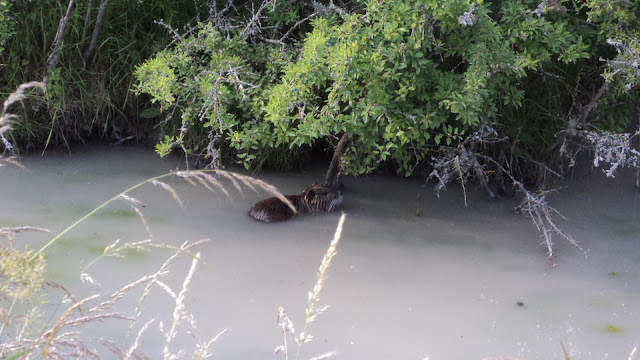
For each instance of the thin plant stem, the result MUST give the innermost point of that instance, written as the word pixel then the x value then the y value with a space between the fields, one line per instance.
pixel 314 295
pixel 567 356
pixel 187 175
pixel 96 210
pixel 13 302
pixel 286 346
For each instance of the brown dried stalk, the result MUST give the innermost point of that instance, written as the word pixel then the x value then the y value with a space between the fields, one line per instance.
pixel 7 232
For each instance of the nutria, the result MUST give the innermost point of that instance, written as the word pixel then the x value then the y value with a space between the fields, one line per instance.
pixel 314 199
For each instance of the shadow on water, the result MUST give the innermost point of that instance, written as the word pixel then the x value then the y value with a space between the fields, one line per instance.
pixel 416 276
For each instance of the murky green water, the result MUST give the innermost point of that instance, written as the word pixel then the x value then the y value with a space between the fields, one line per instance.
pixel 454 282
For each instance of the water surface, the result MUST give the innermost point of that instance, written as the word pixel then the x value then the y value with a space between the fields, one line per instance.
pixel 416 276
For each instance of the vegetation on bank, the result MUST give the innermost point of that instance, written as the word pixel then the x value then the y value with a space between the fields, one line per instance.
pixel 265 82
pixel 88 94
pixel 404 79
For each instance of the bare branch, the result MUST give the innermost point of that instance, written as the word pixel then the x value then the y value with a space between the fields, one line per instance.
pixel 52 61
pixel 87 21
pixel 256 18
pixel 335 161
pixel 286 35
pixel 462 163
pixel 87 57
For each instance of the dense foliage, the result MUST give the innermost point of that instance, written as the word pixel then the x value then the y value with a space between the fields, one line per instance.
pixel 264 82
pixel 400 77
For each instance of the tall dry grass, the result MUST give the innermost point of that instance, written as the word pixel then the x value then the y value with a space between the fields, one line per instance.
pixel 313 309
pixel 7 117
pixel 64 338
pixel 27 336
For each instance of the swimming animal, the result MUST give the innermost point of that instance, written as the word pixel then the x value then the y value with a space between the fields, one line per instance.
pixel 314 199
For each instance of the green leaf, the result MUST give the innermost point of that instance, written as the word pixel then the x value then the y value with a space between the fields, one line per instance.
pixel 150 113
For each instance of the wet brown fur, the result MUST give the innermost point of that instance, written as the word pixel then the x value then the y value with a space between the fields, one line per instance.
pixel 314 199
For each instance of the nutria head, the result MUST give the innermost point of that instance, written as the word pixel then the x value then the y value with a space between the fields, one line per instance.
pixel 318 198
pixel 314 199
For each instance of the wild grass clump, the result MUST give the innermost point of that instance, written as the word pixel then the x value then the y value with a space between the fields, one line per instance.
pixel 21 275
pixel 87 65
pixel 28 337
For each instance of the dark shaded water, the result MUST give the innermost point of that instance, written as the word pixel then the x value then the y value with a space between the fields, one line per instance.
pixel 442 285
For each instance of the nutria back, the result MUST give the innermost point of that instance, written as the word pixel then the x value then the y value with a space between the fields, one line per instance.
pixel 314 199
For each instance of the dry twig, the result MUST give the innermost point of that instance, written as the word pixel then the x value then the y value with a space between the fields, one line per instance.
pixel 463 163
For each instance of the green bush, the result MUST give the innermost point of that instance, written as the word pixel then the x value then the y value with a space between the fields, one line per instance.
pixel 400 77
pixel 263 82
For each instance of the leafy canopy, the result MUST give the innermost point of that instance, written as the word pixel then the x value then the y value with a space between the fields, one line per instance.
pixel 400 77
